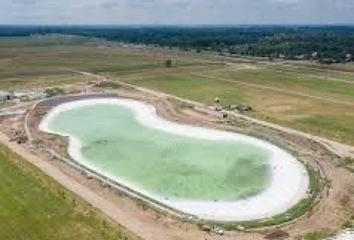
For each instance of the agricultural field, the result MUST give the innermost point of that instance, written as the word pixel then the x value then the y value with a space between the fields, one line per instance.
pixel 326 110
pixel 33 206
pixel 22 61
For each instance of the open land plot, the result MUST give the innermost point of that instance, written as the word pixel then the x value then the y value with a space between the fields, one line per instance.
pixel 41 81
pixel 33 206
pixel 339 67
pixel 300 94
pixel 287 80
pixel 23 64
pixel 310 115
pixel 329 73
pixel 89 56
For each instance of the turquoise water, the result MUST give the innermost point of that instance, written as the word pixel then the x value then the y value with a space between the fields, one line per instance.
pixel 162 163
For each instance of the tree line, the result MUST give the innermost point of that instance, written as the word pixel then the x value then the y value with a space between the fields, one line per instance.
pixel 326 44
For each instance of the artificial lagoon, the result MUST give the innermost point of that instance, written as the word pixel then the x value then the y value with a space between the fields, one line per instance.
pixel 212 174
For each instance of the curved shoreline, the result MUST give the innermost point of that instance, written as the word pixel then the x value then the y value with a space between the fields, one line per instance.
pixel 287 186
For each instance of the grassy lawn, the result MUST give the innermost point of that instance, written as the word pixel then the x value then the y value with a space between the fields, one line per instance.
pixel 327 124
pixel 191 88
pixel 34 207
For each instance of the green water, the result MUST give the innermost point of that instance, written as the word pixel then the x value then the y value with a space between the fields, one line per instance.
pixel 163 163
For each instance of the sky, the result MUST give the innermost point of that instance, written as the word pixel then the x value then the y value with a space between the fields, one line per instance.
pixel 176 12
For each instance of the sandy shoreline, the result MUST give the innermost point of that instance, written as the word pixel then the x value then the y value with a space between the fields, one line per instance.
pixel 289 178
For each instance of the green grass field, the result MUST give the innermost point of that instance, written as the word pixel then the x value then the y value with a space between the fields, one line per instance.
pixel 298 82
pixel 330 120
pixel 34 207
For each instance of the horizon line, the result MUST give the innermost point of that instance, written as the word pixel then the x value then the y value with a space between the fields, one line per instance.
pixel 186 25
